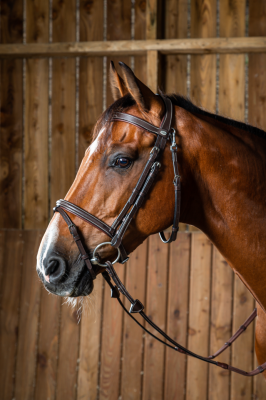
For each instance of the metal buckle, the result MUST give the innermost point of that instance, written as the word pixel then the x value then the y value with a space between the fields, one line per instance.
pixel 95 260
pixel 175 179
pixel 163 133
pixel 154 165
pixel 154 149
pixel 173 146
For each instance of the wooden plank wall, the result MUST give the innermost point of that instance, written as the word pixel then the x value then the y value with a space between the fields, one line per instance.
pixel 187 287
pixel 11 124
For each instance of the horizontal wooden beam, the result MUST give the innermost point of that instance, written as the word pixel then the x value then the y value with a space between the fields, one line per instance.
pixel 135 47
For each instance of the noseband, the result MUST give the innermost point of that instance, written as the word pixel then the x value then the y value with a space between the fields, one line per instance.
pixel 117 231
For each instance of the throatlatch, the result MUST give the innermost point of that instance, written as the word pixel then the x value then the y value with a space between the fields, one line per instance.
pixel 120 225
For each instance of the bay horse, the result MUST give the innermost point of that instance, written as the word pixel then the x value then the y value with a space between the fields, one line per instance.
pixel 222 165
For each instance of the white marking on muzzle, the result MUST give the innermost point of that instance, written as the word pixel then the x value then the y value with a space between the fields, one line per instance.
pixel 49 238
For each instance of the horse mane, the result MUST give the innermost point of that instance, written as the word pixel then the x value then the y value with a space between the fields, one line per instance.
pixel 127 101
pixel 185 103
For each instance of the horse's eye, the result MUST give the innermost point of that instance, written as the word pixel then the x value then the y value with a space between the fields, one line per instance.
pixel 122 162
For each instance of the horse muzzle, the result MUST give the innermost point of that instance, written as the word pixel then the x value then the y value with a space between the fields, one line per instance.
pixel 59 278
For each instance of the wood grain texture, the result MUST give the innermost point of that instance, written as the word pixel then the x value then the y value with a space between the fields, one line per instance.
pixel 152 56
pixel 91 73
pixel 220 324
pixel 11 109
pixel 136 47
pixel 10 287
pixel 132 334
pixel 242 307
pixel 68 353
pixel 258 380
pixel 152 70
pixel 28 318
pixel 118 27
pixel 176 65
pixel 111 345
pixel 2 253
pixel 178 290
pixel 203 68
pixel 232 66
pixel 199 315
pixel 154 352
pixel 140 62
pixel 36 120
pixel 151 19
pixel 48 346
pixel 63 104
pixel 257 73
pixel 89 347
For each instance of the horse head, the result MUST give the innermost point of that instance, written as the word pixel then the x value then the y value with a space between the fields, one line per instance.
pixel 105 180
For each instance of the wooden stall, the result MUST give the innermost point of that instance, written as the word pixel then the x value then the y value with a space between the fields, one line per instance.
pixel 54 59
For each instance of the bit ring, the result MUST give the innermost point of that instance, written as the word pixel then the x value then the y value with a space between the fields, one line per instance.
pixel 95 260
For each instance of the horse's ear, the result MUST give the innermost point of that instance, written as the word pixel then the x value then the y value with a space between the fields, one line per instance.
pixel 143 96
pixel 118 86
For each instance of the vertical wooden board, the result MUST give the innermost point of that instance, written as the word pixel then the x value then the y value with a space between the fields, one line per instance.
pixel 232 66
pixel 36 120
pixel 232 86
pixel 175 364
pixel 10 285
pixel 91 73
pixel 221 323
pixel 11 109
pixel 140 69
pixel 156 301
pixel 68 353
pixel 47 346
pixel 111 344
pixel 63 103
pixel 118 28
pixel 28 318
pixel 257 62
pixel 259 389
pixel 176 65
pixel 132 333
pixel 203 67
pixel 151 33
pixel 3 233
pixel 89 347
pixel 241 388
pixel 199 316
pixel 152 70
pixel 151 19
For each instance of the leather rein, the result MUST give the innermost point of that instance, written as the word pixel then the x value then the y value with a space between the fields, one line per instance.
pixel 117 230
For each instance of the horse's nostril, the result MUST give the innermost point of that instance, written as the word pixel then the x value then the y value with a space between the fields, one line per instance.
pixel 55 269
pixel 52 267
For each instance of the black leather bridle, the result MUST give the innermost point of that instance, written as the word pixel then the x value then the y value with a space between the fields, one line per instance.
pixel 117 230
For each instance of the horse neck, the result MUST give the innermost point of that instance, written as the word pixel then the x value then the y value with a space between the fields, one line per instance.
pixel 223 173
